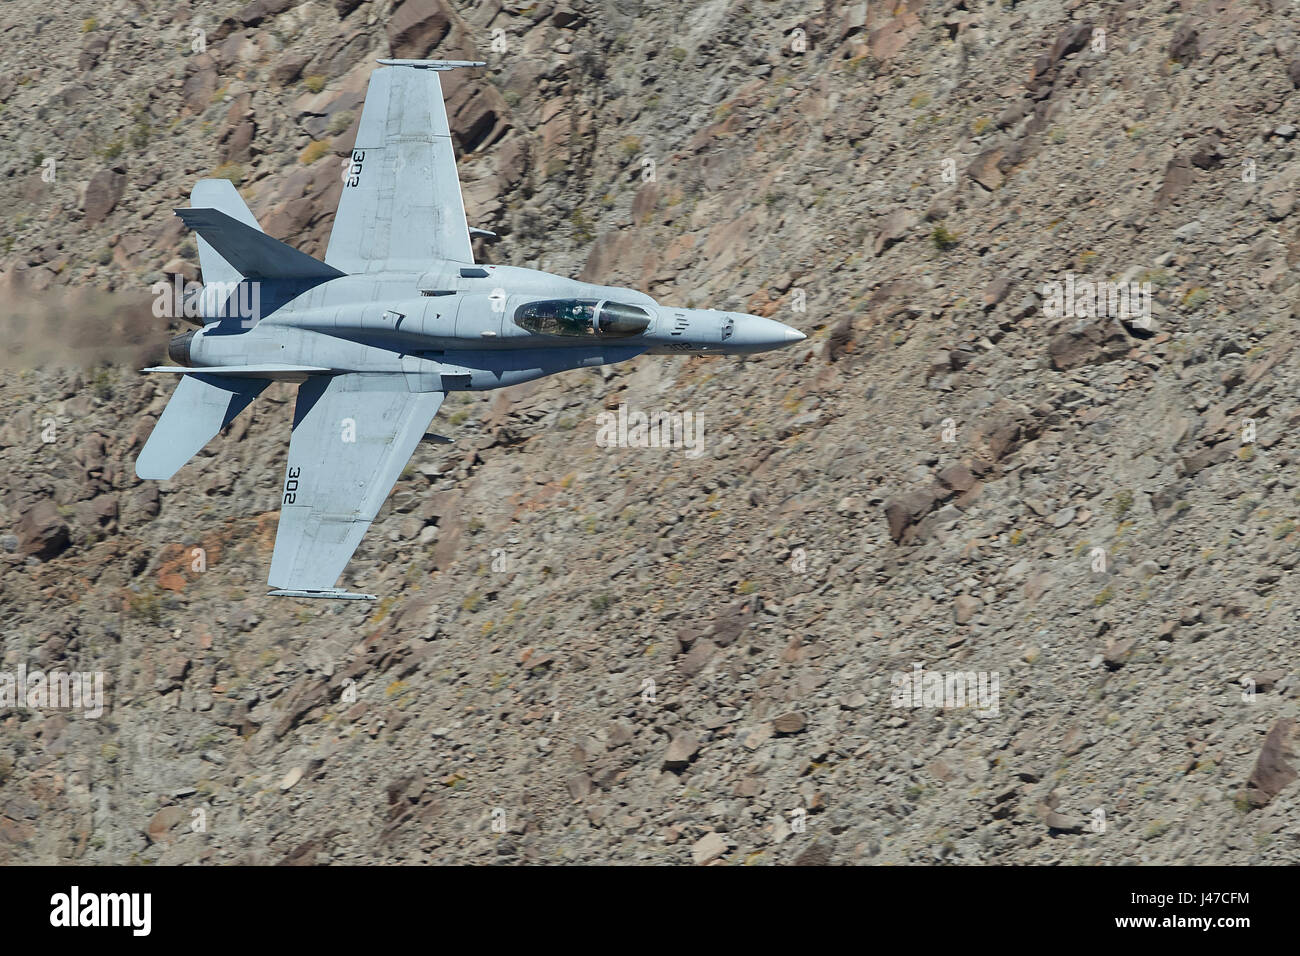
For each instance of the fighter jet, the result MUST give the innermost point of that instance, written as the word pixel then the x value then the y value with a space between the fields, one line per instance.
pixel 397 316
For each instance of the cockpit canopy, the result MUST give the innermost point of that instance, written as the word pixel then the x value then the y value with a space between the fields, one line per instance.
pixel 579 317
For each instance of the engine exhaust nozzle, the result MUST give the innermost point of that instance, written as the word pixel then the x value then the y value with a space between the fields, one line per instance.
pixel 178 349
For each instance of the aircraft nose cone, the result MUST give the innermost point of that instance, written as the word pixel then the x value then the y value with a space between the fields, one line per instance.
pixel 754 333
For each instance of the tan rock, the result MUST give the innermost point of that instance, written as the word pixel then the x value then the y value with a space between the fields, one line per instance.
pixel 965 607
pixel 681 751
pixel 984 170
pixel 163 822
pixel 790 723
pixel 893 228
pixel 708 848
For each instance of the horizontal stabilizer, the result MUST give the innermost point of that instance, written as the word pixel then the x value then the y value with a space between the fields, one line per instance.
pixel 244 371
pixel 253 253
pixel 199 408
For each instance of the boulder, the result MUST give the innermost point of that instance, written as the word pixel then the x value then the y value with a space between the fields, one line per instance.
pixel 42 532
pixel 416 28
pixel 103 193
pixel 1272 773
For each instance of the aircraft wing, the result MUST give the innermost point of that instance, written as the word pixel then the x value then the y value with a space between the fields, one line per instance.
pixel 352 435
pixel 401 206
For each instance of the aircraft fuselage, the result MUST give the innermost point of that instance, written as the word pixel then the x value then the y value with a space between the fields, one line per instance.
pixel 459 327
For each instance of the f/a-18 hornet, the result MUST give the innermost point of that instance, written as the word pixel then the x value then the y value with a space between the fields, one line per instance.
pixel 397 316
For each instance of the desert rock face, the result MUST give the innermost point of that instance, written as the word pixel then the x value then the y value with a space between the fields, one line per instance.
pixel 598 654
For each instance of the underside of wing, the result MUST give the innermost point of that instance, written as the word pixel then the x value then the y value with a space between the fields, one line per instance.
pixel 352 435
pixel 401 206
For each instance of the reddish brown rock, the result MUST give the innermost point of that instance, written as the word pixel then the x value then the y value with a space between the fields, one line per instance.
pixel 259 10
pixel 1178 176
pixel 905 511
pixel 791 723
pixel 200 83
pixel 819 854
pixel 996 291
pixel 1272 773
pixel 42 532
pixel 1088 343
pixel 415 28
pixel 1203 458
pixel 1006 427
pixel 288 68
pixel 163 822
pixel 896 33
pixel 1071 40
pixel 238 142
pixel 957 477
pixel 643 205
pixel 103 193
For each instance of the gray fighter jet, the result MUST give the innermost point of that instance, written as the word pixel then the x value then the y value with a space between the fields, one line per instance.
pixel 397 316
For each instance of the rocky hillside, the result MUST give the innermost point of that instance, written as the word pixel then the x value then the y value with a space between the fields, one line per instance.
pixel 631 655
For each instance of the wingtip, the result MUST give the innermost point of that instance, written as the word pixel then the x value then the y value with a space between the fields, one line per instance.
pixel 150 472
pixel 431 64
pixel 337 594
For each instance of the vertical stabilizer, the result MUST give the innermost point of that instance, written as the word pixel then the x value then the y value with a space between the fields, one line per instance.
pixel 219 194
